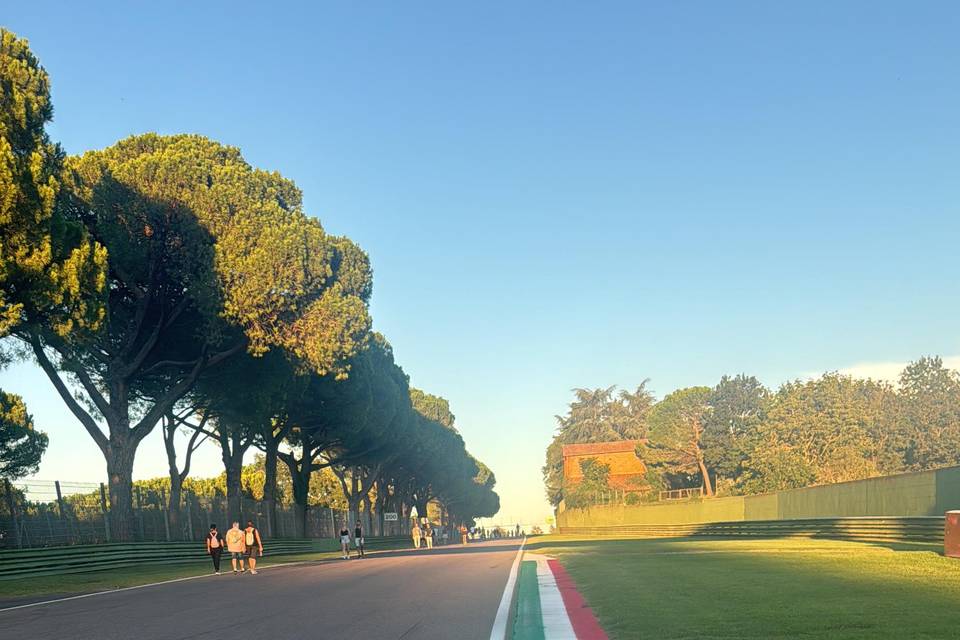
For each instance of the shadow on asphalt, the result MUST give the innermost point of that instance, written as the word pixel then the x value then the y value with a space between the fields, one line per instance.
pixel 451 549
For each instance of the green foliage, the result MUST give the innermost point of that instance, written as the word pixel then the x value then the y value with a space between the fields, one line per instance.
pixel 163 278
pixel 738 406
pixel 929 420
pixel 826 430
pixel 232 242
pixel 596 415
pixel 676 427
pixel 432 407
pixel 595 481
pixel 21 445
pixel 49 270
pixel 830 429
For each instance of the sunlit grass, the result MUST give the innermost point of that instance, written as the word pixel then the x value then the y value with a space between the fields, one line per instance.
pixel 785 588
pixel 132 576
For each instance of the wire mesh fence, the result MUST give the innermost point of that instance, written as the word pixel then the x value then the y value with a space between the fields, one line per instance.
pixel 38 513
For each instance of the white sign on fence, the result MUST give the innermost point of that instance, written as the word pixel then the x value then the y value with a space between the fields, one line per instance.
pixel 390 517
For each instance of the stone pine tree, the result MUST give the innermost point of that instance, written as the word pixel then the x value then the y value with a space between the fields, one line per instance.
pixel 208 258
pixel 51 273
pixel 21 445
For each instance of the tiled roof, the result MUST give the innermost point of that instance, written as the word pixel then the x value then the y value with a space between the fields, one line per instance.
pixel 591 448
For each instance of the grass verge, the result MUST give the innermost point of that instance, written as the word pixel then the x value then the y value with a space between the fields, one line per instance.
pixel 72 584
pixel 786 588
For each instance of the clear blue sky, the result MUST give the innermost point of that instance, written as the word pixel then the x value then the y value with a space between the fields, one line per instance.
pixel 564 194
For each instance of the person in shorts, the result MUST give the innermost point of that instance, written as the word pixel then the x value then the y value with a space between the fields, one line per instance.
pixel 416 532
pixel 358 539
pixel 345 541
pixel 215 548
pixel 428 535
pixel 463 534
pixel 252 546
pixel 234 539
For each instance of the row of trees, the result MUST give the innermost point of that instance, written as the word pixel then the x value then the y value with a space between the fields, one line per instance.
pixel 739 437
pixel 165 281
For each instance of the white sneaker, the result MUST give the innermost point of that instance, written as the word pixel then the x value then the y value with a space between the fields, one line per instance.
pixel 216 573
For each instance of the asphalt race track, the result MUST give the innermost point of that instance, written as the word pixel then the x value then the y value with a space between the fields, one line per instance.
pixel 449 592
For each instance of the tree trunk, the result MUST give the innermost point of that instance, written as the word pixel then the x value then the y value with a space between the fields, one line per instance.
pixel 270 484
pixel 421 505
pixel 176 481
pixel 300 472
pixel 173 506
pixel 234 471
pixel 120 455
pixel 706 478
pixel 233 446
pixel 354 498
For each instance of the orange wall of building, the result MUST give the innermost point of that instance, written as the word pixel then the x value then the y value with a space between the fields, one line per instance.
pixel 621 463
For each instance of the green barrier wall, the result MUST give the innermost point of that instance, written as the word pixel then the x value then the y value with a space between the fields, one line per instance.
pixel 927 493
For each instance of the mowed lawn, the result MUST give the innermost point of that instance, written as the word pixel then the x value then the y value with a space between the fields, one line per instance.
pixel 12 591
pixel 783 588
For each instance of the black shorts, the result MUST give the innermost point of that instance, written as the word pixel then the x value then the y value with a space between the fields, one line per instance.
pixel 251 552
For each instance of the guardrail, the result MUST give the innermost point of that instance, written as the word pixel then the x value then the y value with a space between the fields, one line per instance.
pixel 866 529
pixel 28 563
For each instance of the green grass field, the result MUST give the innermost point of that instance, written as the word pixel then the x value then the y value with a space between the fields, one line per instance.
pixel 786 588
pixel 11 590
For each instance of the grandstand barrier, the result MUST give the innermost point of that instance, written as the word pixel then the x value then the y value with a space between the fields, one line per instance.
pixel 923 529
pixel 28 563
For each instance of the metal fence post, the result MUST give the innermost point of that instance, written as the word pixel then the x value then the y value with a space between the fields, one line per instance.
pixel 186 503
pixel 63 514
pixel 165 513
pixel 103 509
pixel 12 504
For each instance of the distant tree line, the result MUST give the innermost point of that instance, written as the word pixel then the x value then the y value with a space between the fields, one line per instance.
pixel 738 437
pixel 164 281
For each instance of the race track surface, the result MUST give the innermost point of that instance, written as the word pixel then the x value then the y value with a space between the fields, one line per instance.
pixel 449 592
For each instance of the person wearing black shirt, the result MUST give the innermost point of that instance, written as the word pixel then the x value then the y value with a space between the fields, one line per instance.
pixel 215 547
pixel 345 541
pixel 358 540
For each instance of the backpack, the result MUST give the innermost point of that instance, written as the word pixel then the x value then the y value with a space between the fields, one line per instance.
pixel 250 539
pixel 214 540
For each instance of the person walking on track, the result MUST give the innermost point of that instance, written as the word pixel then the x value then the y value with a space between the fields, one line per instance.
pixel 345 541
pixel 428 535
pixel 358 539
pixel 235 546
pixel 416 532
pixel 463 534
pixel 253 546
pixel 215 548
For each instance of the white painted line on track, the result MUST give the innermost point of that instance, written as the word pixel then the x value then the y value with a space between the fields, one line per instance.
pixel 150 584
pixel 556 621
pixel 499 631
